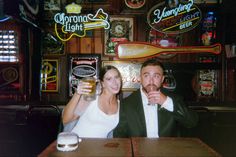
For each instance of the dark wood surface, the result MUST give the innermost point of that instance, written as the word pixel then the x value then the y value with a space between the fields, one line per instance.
pixel 138 147
pixel 93 148
pixel 171 147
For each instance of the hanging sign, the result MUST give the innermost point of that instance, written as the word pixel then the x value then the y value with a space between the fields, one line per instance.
pixel 175 18
pixel 72 23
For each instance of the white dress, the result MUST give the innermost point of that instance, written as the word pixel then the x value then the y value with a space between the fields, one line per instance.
pixel 94 123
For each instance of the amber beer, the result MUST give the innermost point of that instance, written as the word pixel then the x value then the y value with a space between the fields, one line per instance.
pixel 91 95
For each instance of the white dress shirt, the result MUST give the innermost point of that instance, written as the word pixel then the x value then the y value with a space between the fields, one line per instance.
pixel 151 114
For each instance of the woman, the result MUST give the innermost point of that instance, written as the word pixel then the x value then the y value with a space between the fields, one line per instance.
pixel 99 117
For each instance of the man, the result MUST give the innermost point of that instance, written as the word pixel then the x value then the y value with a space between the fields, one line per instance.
pixel 151 111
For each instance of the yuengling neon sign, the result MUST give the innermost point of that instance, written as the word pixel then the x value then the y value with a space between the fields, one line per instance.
pixel 174 20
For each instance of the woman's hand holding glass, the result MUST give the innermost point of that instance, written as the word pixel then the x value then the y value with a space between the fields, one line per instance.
pixel 89 87
pixel 83 88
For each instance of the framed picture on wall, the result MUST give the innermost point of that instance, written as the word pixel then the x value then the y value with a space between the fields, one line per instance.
pixel 121 29
pixel 49 75
pixel 134 7
pixel 129 72
pixel 80 66
pixel 52 45
pixel 12 87
pixel 164 40
pixel 10 81
pixel 52 5
pixel 135 4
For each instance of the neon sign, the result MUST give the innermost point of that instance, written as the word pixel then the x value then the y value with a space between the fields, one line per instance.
pixel 174 20
pixel 73 23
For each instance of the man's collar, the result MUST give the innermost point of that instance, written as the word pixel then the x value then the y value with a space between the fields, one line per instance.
pixel 144 96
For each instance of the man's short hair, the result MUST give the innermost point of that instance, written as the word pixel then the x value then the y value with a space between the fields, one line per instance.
pixel 153 62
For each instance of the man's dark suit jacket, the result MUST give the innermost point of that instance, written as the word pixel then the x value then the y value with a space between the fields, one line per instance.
pixel 132 120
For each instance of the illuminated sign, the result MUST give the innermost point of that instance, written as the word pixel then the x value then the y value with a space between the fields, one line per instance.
pixel 72 23
pixel 180 18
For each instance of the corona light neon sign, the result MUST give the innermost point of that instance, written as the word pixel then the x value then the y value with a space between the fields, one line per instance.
pixel 72 23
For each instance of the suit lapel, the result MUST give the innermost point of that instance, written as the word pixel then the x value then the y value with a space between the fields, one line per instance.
pixel 140 111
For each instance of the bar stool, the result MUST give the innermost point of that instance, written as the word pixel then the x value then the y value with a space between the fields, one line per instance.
pixel 43 124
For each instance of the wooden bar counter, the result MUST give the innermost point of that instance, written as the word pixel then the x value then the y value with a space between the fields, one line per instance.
pixel 171 147
pixel 116 147
pixel 136 147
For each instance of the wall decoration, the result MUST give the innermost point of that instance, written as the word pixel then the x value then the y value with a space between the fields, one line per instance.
pixel 207 82
pixel 172 3
pixel 164 40
pixel 12 73
pixel 73 23
pixel 207 79
pixel 136 50
pixel 121 30
pixel 208 28
pixel 129 71
pixel 135 4
pixel 230 50
pixel 174 19
pixel 49 75
pixel 82 66
pixel 52 5
pixel 169 81
pixel 29 10
pixel 50 8
pixel 10 79
pixel 134 7
pixel 52 45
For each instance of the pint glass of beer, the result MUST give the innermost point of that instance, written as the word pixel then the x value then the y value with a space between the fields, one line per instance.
pixel 91 95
